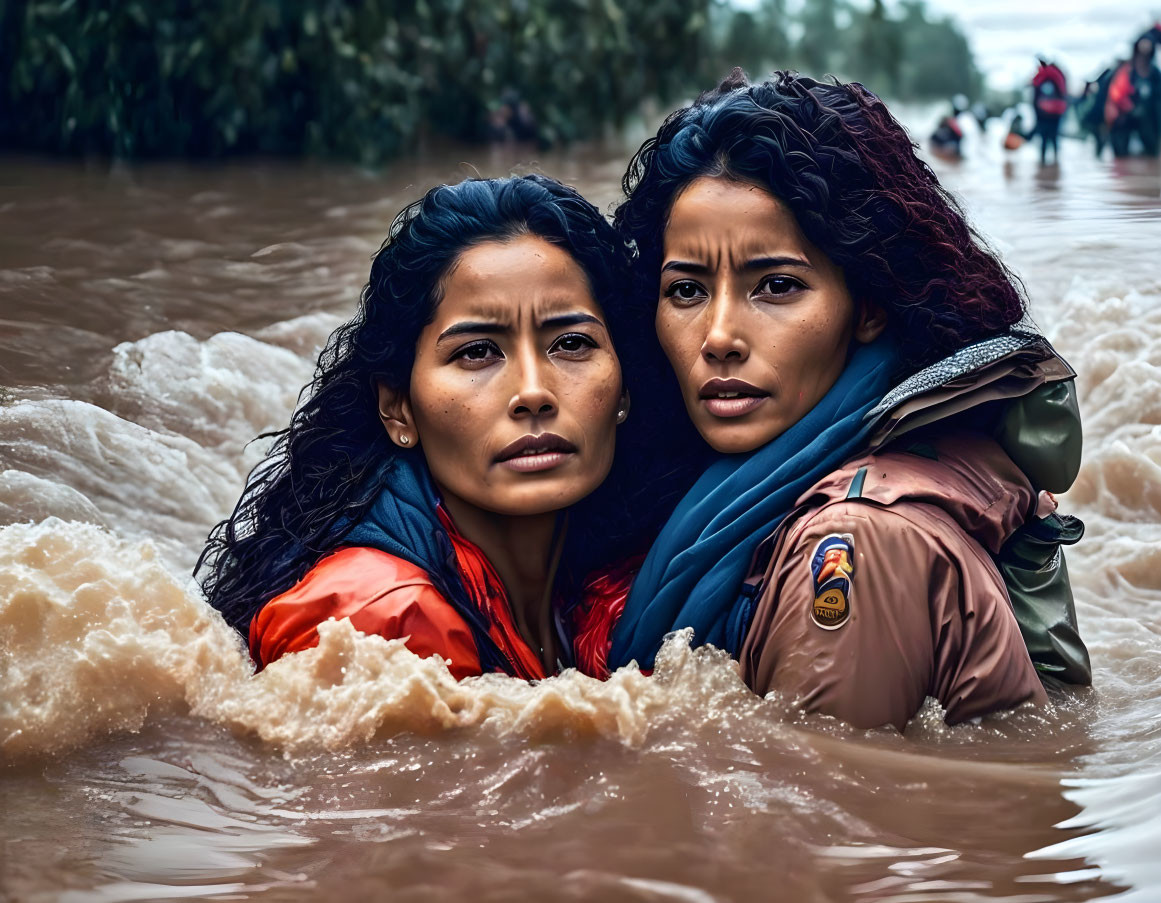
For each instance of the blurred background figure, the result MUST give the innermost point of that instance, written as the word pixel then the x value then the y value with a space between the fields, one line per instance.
pixel 982 113
pixel 1050 101
pixel 1016 136
pixel 1090 110
pixel 512 120
pixel 1133 107
pixel 947 139
pixel 1153 33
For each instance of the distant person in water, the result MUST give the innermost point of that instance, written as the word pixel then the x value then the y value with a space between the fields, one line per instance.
pixel 1017 134
pixel 981 114
pixel 1133 102
pixel 421 490
pixel 1090 110
pixel 872 528
pixel 1050 101
pixel 947 139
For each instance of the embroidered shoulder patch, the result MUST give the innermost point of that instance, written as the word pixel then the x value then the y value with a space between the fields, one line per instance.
pixel 832 567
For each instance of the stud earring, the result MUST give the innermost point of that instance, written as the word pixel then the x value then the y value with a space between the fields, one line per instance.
pixel 405 439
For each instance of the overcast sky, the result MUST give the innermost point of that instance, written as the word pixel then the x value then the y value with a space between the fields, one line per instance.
pixel 1085 36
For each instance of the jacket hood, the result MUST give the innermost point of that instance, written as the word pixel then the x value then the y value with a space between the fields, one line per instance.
pixel 1013 387
pixel 977 434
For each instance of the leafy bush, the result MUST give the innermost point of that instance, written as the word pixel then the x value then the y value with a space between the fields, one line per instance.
pixel 356 79
pixel 366 79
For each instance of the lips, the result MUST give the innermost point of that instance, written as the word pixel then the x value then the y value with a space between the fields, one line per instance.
pixel 530 454
pixel 731 397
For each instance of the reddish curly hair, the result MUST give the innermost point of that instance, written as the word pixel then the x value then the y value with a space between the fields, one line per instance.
pixel 848 171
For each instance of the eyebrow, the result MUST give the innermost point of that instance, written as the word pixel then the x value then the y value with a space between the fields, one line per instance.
pixel 493 327
pixel 467 326
pixel 565 320
pixel 754 263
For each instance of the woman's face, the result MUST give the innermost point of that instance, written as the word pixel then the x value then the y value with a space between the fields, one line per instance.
pixel 516 388
pixel 755 320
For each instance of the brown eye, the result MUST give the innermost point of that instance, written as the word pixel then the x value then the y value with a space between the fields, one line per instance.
pixel 780 285
pixel 685 291
pixel 477 353
pixel 573 343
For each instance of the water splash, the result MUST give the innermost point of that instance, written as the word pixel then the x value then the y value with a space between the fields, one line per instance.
pixel 99 637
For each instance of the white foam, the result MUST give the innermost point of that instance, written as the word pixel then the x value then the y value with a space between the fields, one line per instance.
pixel 163 449
pixel 220 392
pixel 97 636
pixel 24 497
pixel 1127 823
pixel 152 485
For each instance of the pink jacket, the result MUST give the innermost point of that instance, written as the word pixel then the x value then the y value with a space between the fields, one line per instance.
pixel 879 590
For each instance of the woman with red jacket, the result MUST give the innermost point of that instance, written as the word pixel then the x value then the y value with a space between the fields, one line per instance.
pixel 421 488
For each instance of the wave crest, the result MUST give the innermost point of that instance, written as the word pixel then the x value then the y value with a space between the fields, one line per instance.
pixel 98 636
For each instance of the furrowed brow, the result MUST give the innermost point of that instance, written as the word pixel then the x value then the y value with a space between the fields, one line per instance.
pixel 765 263
pixel 475 327
pixel 684 266
pixel 563 321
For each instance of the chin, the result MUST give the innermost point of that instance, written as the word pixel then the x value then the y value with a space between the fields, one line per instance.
pixel 735 440
pixel 533 501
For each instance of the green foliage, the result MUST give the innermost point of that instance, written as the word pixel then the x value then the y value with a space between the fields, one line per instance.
pixel 937 61
pixel 361 80
pixel 367 79
pixel 758 40
pixel 819 49
pixel 897 53
pixel 878 47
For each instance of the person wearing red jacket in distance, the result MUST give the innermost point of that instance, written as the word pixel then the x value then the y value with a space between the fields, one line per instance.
pixel 421 488
pixel 1050 99
pixel 1133 99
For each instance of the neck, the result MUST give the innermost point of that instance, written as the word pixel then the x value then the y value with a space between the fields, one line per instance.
pixel 521 551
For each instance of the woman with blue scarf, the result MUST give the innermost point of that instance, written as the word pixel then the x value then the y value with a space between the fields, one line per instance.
pixel 884 439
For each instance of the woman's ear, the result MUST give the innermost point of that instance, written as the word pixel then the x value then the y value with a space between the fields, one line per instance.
pixel 623 408
pixel 871 322
pixel 395 412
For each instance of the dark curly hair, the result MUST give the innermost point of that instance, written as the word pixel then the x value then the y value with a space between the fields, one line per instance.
pixel 326 468
pixel 849 173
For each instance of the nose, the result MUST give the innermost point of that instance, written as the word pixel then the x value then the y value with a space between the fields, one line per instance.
pixel 723 339
pixel 534 396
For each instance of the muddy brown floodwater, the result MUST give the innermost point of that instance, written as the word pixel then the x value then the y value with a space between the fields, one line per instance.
pixel 153 320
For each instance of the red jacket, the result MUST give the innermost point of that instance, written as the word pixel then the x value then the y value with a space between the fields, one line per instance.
pixel 1121 91
pixel 385 595
pixel 1054 103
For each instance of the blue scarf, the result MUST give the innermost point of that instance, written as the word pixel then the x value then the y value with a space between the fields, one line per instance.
pixel 694 573
pixel 402 521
